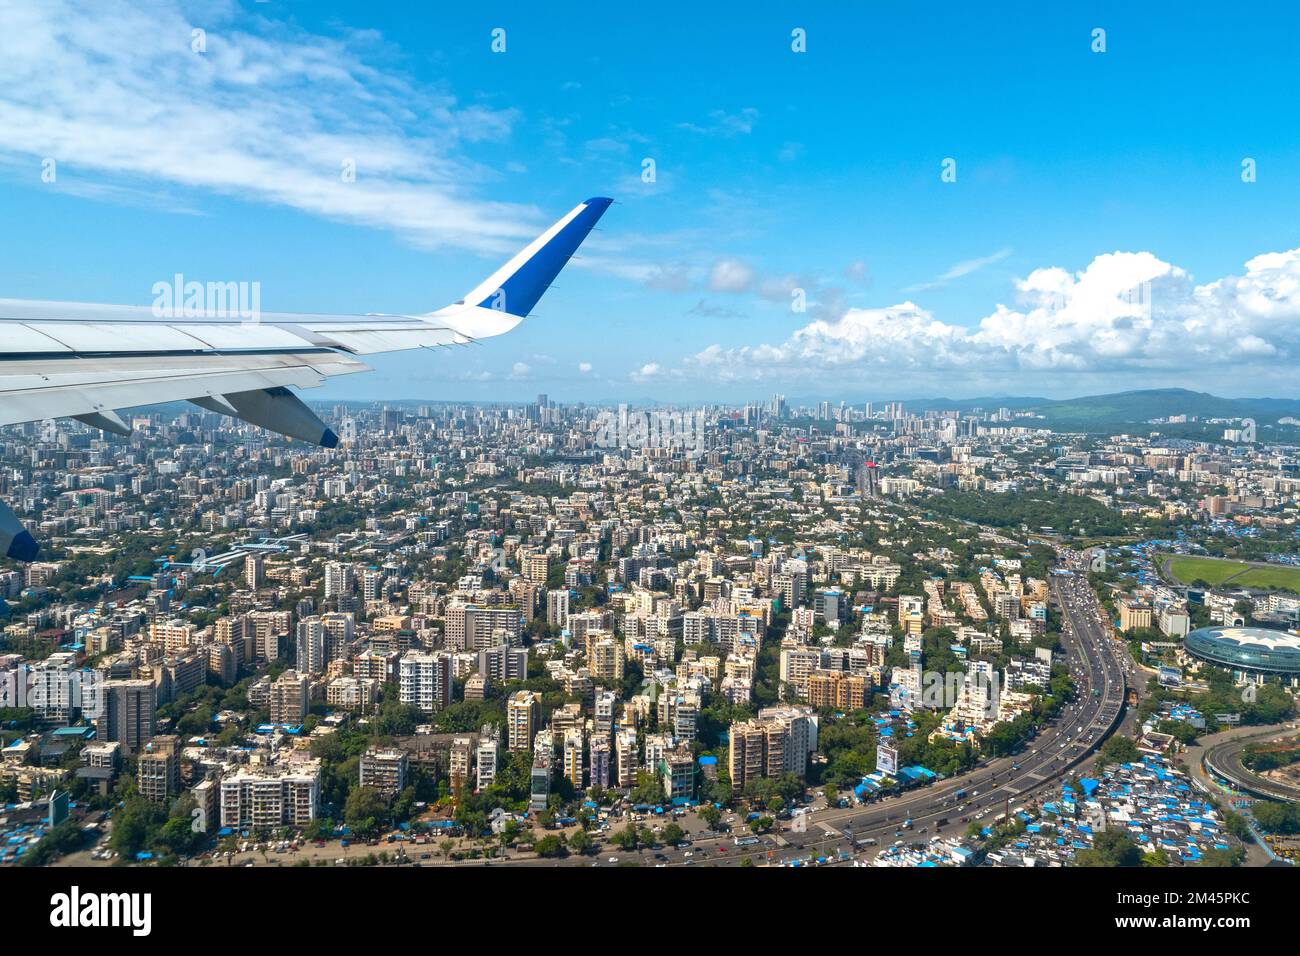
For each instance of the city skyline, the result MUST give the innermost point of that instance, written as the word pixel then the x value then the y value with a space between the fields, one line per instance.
pixel 1092 241
pixel 444 441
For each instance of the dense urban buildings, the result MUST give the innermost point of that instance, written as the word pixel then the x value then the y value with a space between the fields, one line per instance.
pixel 474 617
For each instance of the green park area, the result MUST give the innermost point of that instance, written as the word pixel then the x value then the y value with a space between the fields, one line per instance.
pixel 1215 571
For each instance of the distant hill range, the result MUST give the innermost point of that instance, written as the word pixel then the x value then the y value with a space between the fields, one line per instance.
pixel 1126 407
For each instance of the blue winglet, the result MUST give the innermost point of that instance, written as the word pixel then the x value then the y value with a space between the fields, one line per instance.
pixel 526 284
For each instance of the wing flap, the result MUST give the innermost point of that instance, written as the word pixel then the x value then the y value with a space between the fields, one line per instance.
pixel 98 337
pixel 368 341
pixel 19 339
pixel 91 386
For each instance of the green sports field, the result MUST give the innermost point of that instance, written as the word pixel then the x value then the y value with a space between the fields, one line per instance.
pixel 1271 579
pixel 1215 571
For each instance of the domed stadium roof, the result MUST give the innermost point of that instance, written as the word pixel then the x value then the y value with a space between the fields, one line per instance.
pixel 1253 648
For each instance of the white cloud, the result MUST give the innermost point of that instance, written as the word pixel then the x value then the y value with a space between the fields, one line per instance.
pixel 520 370
pixel 722 123
pixel 731 275
pixel 584 367
pixel 963 268
pixel 270 113
pixel 1126 312
pixel 668 278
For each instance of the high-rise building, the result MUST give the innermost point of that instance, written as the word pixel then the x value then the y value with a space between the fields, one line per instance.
pixel 503 663
pixel 605 703
pixel 340 579
pixel 384 770
pixel 523 711
pixel 599 770
pixel 606 662
pixel 372 584
pixel 290 698
pixel 911 613
pixel 158 769
pixel 271 796
pixel 627 760
pixel 128 714
pixel 829 605
pixel 469 627
pixel 800 723
pixel 340 629
pixel 535 566
pixel 780 740
pixel 59 691
pixel 425 680
pixel 489 747
pixel 790 586
pixel 557 608
pixel 756 750
pixel 837 689
pixel 253 570
pixel 677 770
pixel 573 754
pixel 311 647
pixel 459 761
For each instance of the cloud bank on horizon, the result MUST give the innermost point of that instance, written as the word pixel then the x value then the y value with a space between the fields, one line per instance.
pixel 1124 313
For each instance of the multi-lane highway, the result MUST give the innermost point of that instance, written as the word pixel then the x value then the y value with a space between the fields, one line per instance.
pixel 1222 755
pixel 1005 783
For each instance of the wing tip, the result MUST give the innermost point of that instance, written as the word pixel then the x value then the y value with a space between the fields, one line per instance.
pixel 23 547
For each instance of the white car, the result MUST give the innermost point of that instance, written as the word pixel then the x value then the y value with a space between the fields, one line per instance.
pixel 613 859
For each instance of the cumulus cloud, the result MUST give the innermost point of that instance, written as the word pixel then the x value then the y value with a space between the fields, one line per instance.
pixel 731 275
pixel 584 367
pixel 1125 312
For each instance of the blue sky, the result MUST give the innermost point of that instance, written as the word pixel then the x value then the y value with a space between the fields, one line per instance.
pixel 1081 176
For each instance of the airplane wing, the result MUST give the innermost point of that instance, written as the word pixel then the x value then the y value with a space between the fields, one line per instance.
pixel 85 361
